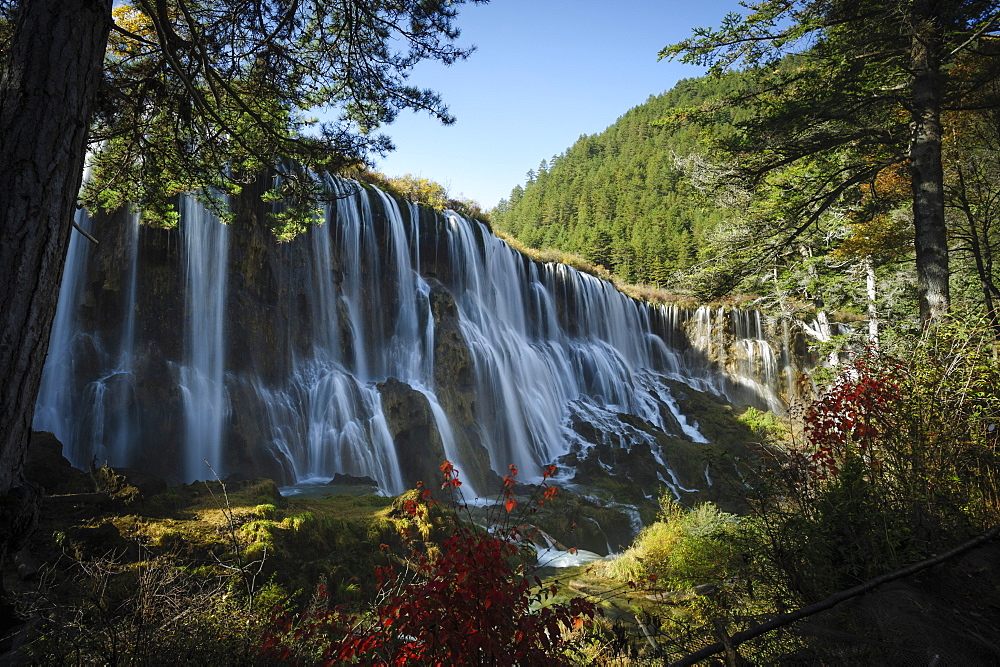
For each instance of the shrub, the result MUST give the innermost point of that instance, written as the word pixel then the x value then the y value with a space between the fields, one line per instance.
pixel 896 458
pixel 683 548
pixel 150 612
pixel 469 602
pixel 764 423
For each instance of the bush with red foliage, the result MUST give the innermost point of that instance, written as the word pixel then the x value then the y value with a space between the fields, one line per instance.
pixel 853 415
pixel 898 461
pixel 472 602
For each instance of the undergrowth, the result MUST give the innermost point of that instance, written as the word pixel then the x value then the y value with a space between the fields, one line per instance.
pixel 894 460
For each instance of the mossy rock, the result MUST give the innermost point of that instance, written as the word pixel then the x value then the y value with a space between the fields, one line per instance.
pixel 100 541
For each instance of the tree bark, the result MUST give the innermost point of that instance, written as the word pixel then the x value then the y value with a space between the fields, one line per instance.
pixel 48 87
pixel 872 292
pixel 990 291
pixel 927 175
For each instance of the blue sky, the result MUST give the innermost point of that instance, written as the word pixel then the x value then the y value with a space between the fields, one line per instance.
pixel 545 72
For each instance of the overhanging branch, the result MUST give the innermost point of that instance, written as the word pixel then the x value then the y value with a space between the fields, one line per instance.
pixel 837 598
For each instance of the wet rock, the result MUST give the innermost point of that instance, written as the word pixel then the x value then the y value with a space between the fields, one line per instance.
pixel 454 382
pixel 411 423
pixel 340 479
pixel 45 465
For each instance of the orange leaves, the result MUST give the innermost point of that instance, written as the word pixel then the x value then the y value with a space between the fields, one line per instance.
pixel 877 236
pixel 892 182
pixel 510 481
pixel 450 476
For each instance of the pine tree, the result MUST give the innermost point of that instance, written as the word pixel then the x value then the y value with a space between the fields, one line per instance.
pixel 863 90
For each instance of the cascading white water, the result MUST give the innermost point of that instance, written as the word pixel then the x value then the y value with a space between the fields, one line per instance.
pixel 56 410
pixel 550 347
pixel 750 360
pixel 326 421
pixel 206 404
pixel 532 365
pixel 97 421
pixel 118 412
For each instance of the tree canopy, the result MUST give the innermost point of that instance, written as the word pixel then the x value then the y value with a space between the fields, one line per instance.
pixel 203 94
pixel 852 88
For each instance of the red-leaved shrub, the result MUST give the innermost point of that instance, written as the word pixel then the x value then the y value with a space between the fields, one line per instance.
pixel 471 602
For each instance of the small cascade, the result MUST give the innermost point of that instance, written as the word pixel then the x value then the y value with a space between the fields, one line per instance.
pixel 56 409
pixel 96 418
pixel 756 364
pixel 376 344
pixel 325 421
pixel 448 442
pixel 206 404
pixel 115 411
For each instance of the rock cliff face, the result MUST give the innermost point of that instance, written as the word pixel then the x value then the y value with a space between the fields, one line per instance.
pixel 378 343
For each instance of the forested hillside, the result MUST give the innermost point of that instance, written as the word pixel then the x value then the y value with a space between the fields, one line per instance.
pixel 620 198
pixel 658 198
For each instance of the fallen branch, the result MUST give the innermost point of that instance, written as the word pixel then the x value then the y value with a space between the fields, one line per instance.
pixel 98 498
pixel 84 232
pixel 837 598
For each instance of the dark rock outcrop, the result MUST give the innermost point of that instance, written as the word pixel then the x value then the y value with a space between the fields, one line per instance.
pixel 454 378
pixel 411 423
pixel 45 465
pixel 341 479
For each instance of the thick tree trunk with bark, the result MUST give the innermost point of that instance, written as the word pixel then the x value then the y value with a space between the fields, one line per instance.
pixel 48 86
pixel 930 232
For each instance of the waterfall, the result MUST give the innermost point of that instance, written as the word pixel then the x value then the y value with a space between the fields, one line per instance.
pixel 96 418
pixel 376 343
pixel 201 376
pixel 56 409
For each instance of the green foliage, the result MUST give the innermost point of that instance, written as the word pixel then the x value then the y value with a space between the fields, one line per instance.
pixel 265 491
pixel 150 612
pixel 682 549
pixel 894 460
pixel 620 199
pixel 203 97
pixel 765 423
pixel 266 511
pixel 115 485
pixel 841 93
pixel 419 190
pixel 897 460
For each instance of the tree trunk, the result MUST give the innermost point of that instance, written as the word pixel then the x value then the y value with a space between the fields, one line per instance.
pixel 872 292
pixel 927 176
pixel 48 86
pixel 990 291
